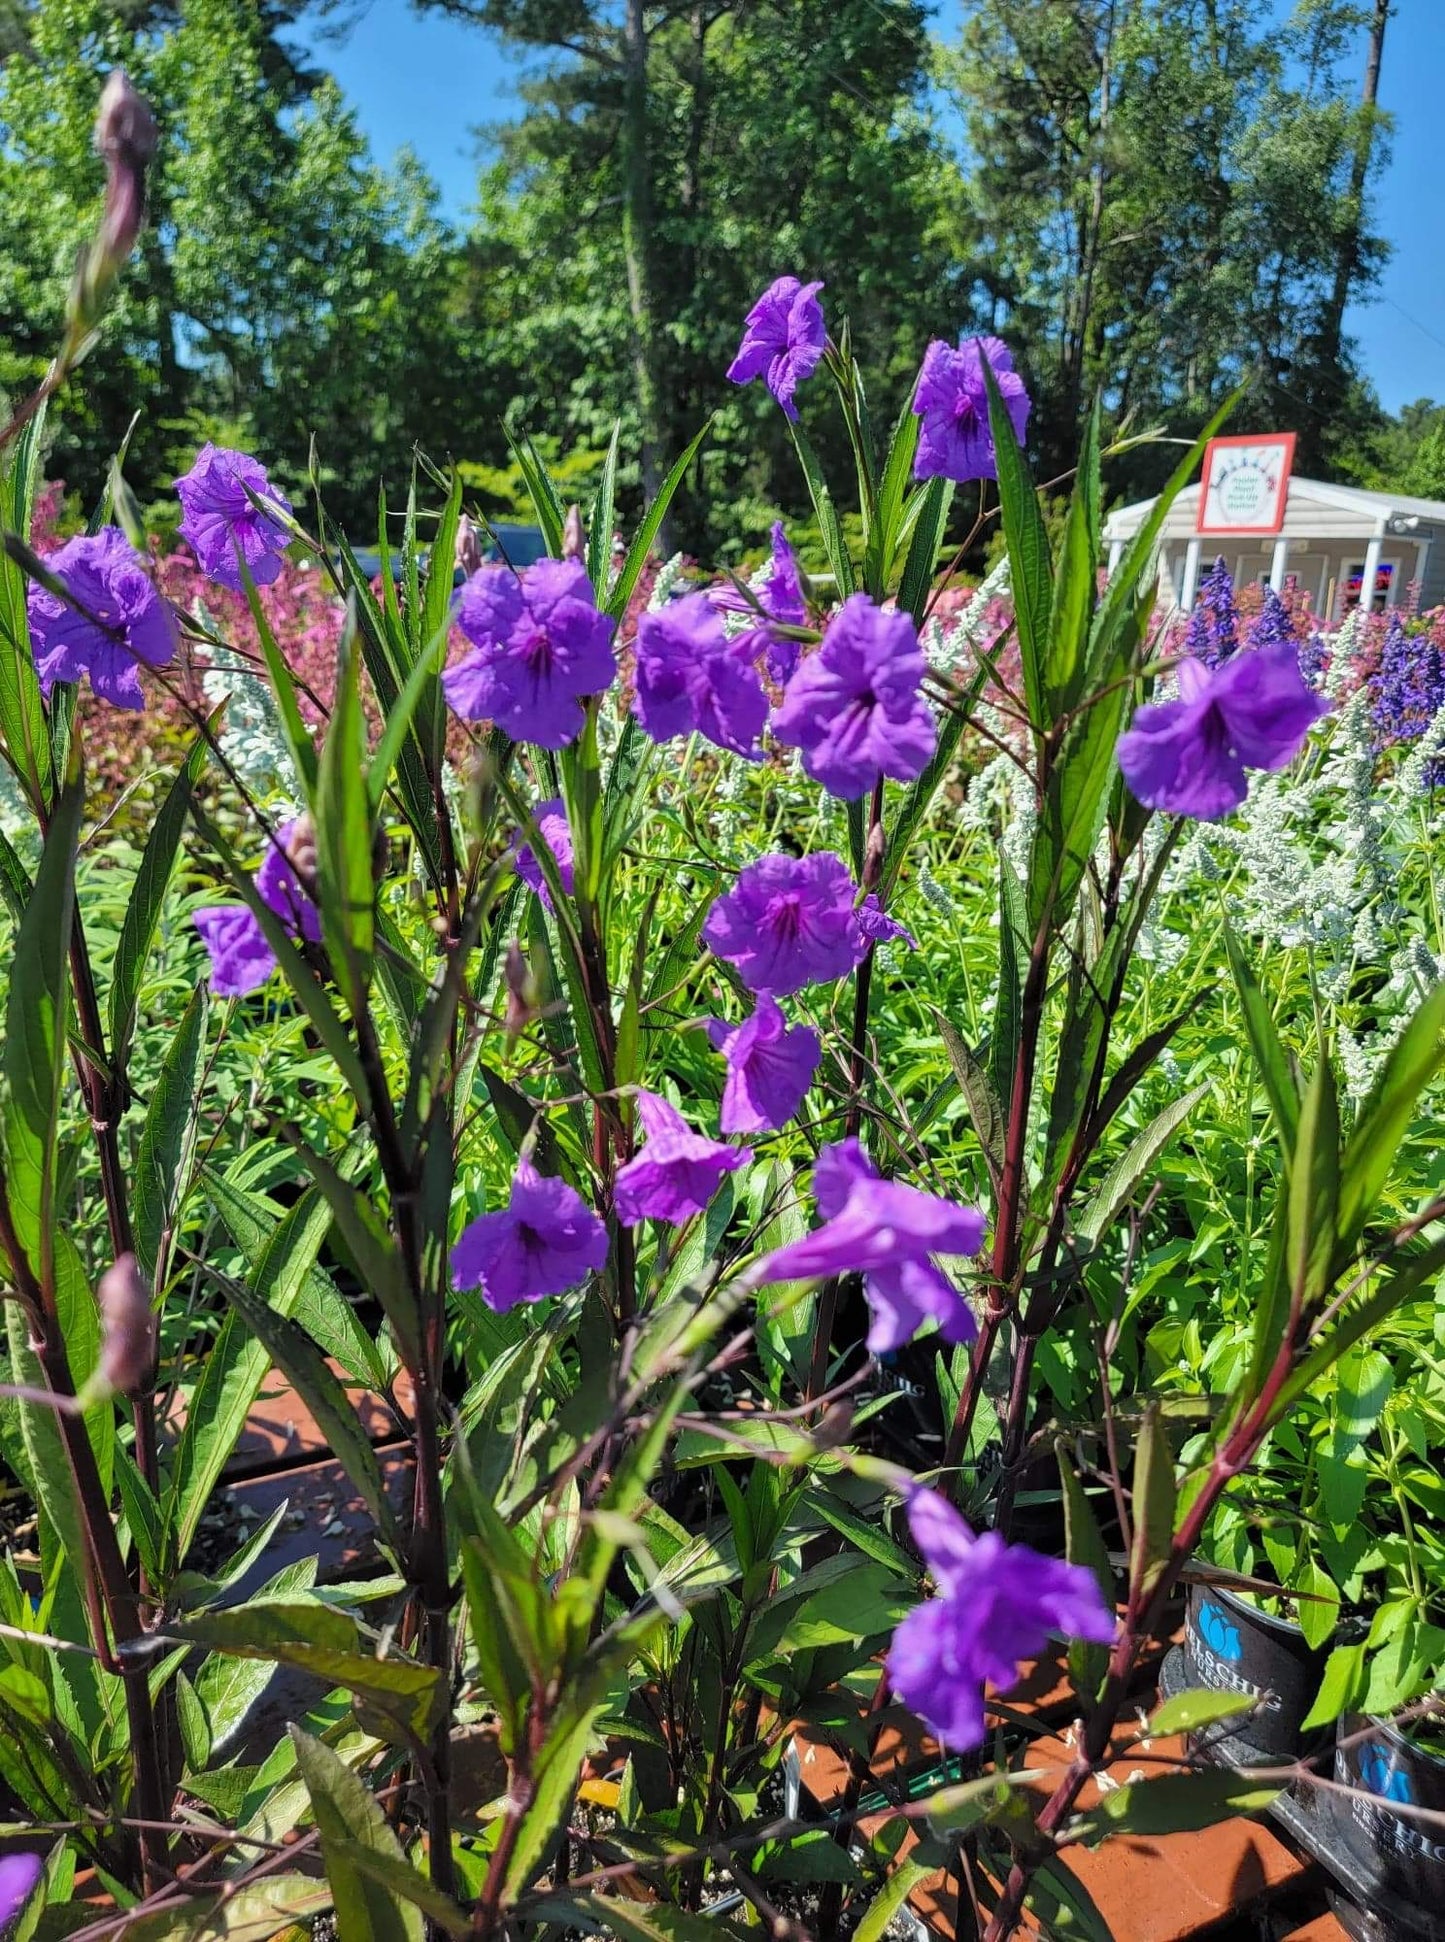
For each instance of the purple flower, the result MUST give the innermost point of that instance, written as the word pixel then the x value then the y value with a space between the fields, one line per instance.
pixel 221 519
pixel 1407 689
pixel 677 1171
pixel 1272 626
pixel 551 819
pixel 546 1241
pixel 1189 756
pixel 241 959
pixel 541 645
pixel 770 1067
pixel 788 921
pixel 690 678
pixel 119 619
pixel 889 1234
pixel 955 440
pixel 855 708
pixel 781 599
pixel 784 337
pixel 878 927
pixel 996 1606
pixel 1212 634
pixel 18 1876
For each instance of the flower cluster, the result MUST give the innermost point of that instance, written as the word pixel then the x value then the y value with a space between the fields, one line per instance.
pixel 241 958
pixel 1212 633
pixel 109 621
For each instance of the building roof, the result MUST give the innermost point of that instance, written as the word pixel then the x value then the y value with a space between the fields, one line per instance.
pixel 1311 508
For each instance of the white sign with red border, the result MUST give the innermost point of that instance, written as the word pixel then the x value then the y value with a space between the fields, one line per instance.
pixel 1245 484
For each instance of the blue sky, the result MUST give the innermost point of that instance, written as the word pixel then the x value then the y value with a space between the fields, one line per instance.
pixel 430 82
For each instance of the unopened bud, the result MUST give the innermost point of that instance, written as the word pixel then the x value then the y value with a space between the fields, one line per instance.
pixel 522 997
pixel 468 547
pixel 128 1328
pixel 574 539
pixel 300 847
pixel 126 136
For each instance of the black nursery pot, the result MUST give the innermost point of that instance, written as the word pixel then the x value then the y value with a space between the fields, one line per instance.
pixel 1378 1849
pixel 1233 1647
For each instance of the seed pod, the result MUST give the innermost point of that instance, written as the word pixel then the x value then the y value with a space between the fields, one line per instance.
pixel 128 1328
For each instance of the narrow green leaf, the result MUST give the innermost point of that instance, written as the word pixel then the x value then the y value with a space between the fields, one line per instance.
pixel 1132 1165
pixel 985 1108
pixel 1173 1803
pixel 599 531
pixel 299 744
pixel 647 532
pixel 1075 582
pixel 1412 1062
pixel 1200 1706
pixel 922 560
pixel 834 545
pixel 349 1818
pixel 546 501
pixel 1084 1545
pixel 883 534
pixel 22 712
pixel 1154 1499
pixel 168 1137
pixel 1030 567
pixel 1014 944
pixel 1314 1187
pixel 346 888
pixel 1269 1054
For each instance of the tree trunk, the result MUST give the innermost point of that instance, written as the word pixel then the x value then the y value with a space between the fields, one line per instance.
pixel 1347 263
pixel 637 246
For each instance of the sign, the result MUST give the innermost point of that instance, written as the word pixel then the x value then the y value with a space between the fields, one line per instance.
pixel 1245 484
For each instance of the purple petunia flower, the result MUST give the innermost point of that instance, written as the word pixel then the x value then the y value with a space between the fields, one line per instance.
pixel 690 678
pixel 551 819
pixel 241 959
pixel 545 1241
pixel 118 621
pixel 770 1068
pixel 855 708
pixel 889 1234
pixel 1189 756
pixel 220 519
pixel 879 928
pixel 784 337
pixel 540 645
pixel 788 921
pixel 955 440
pixel 677 1171
pixel 18 1876
pixel 996 1606
pixel 1212 635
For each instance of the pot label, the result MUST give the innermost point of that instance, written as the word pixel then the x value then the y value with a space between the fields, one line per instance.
pixel 1381 1773
pixel 1215 1649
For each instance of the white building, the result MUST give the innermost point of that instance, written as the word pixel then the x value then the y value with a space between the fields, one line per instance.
pixel 1335 540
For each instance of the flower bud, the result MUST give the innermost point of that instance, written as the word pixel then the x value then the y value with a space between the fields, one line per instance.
pixel 128 1328
pixel 522 997
pixel 126 136
pixel 574 539
pixel 468 547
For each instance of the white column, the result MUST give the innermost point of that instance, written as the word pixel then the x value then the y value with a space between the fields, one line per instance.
pixel 1278 562
pixel 1422 556
pixel 1367 578
pixel 1392 592
pixel 1116 548
pixel 1191 575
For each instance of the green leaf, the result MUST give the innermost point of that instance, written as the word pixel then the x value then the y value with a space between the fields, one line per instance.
pixel 636 1921
pixel 1064 1906
pixel 347 1819
pixel 922 560
pixel 1014 944
pixel 35 1036
pixel 252 1914
pixel 1364 1381
pixel 985 1109
pixel 1130 1168
pixel 546 503
pixel 142 1514
pixel 1269 1054
pixel 1030 567
pixel 599 526
pixel 834 544
pixel 303 1365
pixel 1389 1291
pixel 1154 1499
pixel 1173 1803
pixel 1075 583
pixel 1318 1607
pixel 373 1249
pixel 299 744
pixel 883 533
pixel 346 888
pixel 143 907
pixel 1340 1686
pixel 168 1137
pixel 1411 1064
pixel 1314 1188
pixel 315 1638
pixel 918 799
pixel 901 1882
pixel 1084 1545
pixel 646 533
pixel 1200 1706
pixel 22 713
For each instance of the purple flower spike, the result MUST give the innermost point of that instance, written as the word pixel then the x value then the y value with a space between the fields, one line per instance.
pixel 546 1241
pixel 18 1876
pixel 540 646
pixel 855 708
pixel 879 928
pixel 1189 756
pixel 770 1068
pixel 889 1234
pixel 241 959
pixel 996 1606
pixel 118 621
pixel 689 678
pixel 784 337
pixel 551 819
pixel 788 921
pixel 955 440
pixel 220 518
pixel 677 1172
